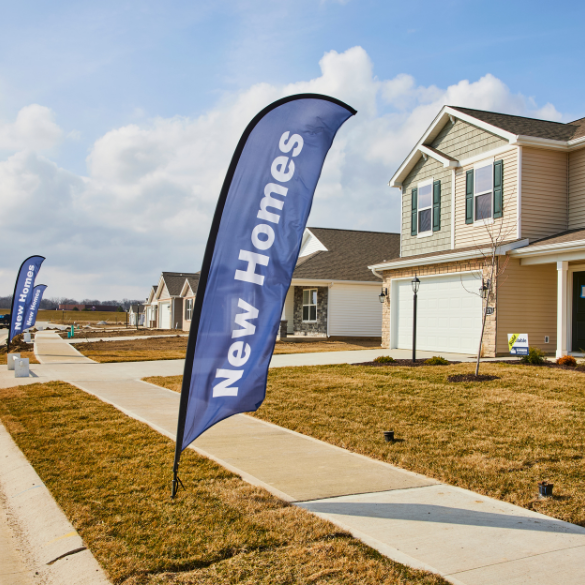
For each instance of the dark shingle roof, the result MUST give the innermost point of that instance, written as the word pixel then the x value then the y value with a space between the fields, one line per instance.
pixel 426 255
pixel 176 280
pixel 349 253
pixel 529 126
pixel 561 238
pixel 194 281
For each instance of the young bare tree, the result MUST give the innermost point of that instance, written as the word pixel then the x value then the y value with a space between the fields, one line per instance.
pixel 493 266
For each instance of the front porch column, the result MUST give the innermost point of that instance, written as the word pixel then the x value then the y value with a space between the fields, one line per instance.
pixel 562 284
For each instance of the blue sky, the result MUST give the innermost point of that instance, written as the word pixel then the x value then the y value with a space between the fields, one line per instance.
pixel 118 119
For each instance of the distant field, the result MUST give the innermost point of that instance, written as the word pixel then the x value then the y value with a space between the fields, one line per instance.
pixel 69 317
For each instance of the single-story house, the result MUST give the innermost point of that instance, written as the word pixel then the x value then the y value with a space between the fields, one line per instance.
pixel 136 315
pixel 164 306
pixel 333 293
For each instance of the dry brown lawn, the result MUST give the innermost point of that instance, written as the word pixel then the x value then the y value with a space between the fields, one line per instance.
pixel 85 317
pixel 497 438
pixel 174 348
pixel 111 476
pixel 129 332
pixel 23 354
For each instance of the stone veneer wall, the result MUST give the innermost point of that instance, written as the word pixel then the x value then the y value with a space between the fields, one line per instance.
pixel 489 336
pixel 320 327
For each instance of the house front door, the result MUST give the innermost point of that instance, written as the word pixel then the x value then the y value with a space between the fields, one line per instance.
pixel 578 311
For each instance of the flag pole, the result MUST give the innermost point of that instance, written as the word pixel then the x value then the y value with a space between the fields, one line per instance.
pixel 199 297
pixel 205 270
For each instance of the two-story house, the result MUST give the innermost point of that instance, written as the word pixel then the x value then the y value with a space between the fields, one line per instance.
pixel 475 182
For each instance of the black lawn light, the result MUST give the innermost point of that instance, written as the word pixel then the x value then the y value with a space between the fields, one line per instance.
pixel 415 286
pixel 389 436
pixel 545 489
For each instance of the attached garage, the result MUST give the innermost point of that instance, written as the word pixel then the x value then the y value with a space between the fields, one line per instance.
pixel 448 316
pixel 165 315
pixel 355 310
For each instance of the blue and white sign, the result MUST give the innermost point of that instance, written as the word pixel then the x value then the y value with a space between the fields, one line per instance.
pixel 582 292
pixel 33 309
pixel 23 292
pixel 250 257
pixel 518 343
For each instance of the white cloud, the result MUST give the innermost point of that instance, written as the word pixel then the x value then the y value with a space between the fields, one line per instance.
pixel 151 189
pixel 33 129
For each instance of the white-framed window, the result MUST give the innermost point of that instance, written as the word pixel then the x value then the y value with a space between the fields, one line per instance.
pixel 188 309
pixel 310 304
pixel 425 207
pixel 483 191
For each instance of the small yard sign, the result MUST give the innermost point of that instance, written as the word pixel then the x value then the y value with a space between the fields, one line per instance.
pixel 518 343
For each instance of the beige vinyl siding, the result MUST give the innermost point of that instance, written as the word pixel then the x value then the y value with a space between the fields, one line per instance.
pixel 504 228
pixel 527 303
pixel 544 192
pixel 577 189
pixel 440 240
pixel 462 140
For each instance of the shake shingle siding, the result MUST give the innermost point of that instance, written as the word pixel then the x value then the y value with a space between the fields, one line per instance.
pixel 462 140
pixel 440 240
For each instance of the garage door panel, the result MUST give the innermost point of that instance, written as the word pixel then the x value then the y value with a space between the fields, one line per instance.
pixel 448 316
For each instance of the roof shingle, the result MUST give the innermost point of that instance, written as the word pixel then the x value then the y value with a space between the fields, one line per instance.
pixel 349 253
pixel 521 125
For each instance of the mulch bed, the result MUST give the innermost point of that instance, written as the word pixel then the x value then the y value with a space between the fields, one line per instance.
pixel 472 378
pixel 408 363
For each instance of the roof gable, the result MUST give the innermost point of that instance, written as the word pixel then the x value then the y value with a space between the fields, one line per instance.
pixel 511 129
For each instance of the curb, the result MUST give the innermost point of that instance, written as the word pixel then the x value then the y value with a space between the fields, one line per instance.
pixel 53 551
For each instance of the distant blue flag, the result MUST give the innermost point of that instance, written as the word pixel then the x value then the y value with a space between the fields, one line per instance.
pixel 31 314
pixel 250 257
pixel 23 292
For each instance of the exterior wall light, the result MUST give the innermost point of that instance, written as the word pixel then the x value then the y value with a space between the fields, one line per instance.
pixel 485 288
pixel 382 296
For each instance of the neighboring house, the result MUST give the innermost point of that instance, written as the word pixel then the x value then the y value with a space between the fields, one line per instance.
pixel 188 292
pixel 476 174
pixel 168 300
pixel 151 308
pixel 332 291
pixel 136 315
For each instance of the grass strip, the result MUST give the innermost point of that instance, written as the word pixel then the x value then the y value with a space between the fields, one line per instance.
pixel 174 348
pixel 110 474
pixel 497 438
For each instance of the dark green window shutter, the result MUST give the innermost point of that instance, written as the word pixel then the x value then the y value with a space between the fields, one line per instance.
pixel 436 206
pixel 413 218
pixel 498 189
pixel 469 196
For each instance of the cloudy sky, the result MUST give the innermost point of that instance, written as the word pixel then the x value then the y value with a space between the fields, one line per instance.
pixel 118 119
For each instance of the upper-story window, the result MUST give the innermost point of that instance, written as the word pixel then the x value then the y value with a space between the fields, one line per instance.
pixel 484 192
pixel 426 208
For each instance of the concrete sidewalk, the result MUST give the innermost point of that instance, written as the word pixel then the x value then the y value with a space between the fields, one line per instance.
pixel 467 538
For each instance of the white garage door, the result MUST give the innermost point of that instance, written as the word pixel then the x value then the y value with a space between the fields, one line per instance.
pixel 355 310
pixel 165 315
pixel 448 317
